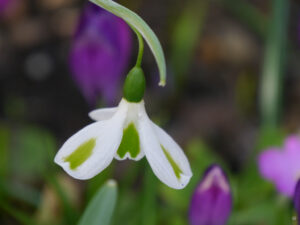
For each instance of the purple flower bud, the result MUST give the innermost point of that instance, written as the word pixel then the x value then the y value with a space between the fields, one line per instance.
pixel 211 202
pixel 6 5
pixel 297 200
pixel 100 53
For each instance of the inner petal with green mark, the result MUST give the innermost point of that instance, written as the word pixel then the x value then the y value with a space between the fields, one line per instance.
pixel 174 165
pixel 130 142
pixel 81 154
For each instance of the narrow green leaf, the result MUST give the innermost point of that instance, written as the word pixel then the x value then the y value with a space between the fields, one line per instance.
pixel 149 201
pixel 139 24
pixel 20 191
pixel 20 216
pixel 184 38
pixel 4 145
pixel 274 63
pixel 33 152
pixel 101 207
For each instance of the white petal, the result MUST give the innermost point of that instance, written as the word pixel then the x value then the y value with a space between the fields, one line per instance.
pixel 175 152
pixel 128 156
pixel 103 114
pixel 152 140
pixel 108 135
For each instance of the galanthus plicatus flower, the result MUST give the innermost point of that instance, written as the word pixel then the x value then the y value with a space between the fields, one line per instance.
pixel 211 203
pixel 99 53
pixel 297 200
pixel 281 165
pixel 125 132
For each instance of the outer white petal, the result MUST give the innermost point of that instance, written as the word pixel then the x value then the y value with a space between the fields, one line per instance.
pixel 103 114
pixel 108 135
pixel 175 152
pixel 150 141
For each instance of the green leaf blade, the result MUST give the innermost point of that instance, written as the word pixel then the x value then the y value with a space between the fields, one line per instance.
pixel 101 207
pixel 139 24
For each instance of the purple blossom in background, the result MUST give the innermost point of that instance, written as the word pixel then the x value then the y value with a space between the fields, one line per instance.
pixel 297 200
pixel 100 53
pixel 282 165
pixel 211 202
pixel 6 5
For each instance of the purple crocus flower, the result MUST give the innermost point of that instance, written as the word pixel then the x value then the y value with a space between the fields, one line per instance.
pixel 6 5
pixel 297 200
pixel 100 52
pixel 211 202
pixel 282 165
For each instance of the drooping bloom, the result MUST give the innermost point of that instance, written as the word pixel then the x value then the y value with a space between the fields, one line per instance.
pixel 125 132
pixel 211 203
pixel 281 165
pixel 297 201
pixel 99 53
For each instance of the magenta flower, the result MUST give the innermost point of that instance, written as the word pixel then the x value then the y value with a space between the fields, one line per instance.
pixel 297 200
pixel 211 202
pixel 100 53
pixel 282 165
pixel 6 5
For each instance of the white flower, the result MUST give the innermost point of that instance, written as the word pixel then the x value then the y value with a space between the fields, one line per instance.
pixel 124 132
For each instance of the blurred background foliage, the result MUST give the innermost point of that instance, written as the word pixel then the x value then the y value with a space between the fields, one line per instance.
pixel 232 90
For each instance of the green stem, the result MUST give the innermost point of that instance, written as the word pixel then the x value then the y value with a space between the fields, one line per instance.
pixel 141 48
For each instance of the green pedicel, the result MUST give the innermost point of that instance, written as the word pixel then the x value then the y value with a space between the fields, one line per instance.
pixel 81 154
pixel 174 165
pixel 130 142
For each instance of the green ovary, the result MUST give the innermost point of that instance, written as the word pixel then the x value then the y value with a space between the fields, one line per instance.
pixel 130 142
pixel 81 154
pixel 174 165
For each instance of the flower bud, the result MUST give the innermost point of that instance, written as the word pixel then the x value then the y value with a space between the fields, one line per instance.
pixel 211 202
pixel 100 53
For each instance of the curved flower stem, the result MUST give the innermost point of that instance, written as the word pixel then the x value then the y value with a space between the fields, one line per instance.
pixel 143 28
pixel 141 48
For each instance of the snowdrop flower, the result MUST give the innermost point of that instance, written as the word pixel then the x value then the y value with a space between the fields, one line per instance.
pixel 125 132
pixel 282 166
pixel 211 202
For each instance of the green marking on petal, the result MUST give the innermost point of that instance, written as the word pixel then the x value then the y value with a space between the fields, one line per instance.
pixel 174 165
pixel 81 154
pixel 130 142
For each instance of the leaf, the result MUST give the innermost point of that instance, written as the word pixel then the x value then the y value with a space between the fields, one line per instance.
pixel 184 38
pixel 101 207
pixel 139 24
pixel 20 216
pixel 4 145
pixel 33 152
pixel 149 202
pixel 274 64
